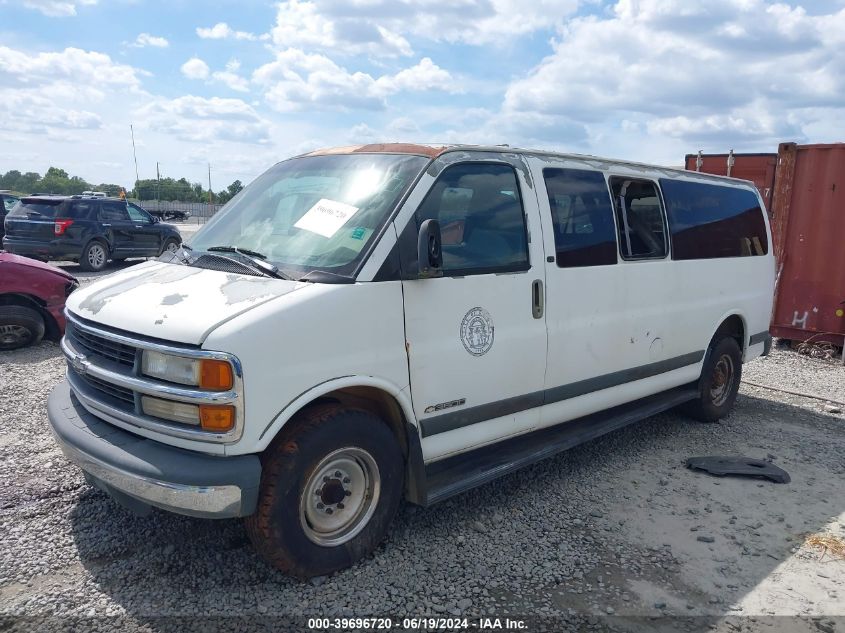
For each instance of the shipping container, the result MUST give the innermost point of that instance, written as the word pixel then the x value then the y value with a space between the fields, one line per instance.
pixel 808 222
pixel 758 168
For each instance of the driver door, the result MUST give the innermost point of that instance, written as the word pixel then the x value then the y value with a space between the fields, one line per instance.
pixel 476 343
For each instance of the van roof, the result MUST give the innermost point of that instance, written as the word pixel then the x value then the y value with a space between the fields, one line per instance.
pixel 434 150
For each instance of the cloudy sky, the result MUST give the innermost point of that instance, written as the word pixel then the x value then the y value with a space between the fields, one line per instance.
pixel 243 84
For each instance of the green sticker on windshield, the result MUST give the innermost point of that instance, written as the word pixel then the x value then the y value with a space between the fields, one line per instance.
pixel 358 233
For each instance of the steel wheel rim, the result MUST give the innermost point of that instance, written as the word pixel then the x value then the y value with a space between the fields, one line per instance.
pixel 722 380
pixel 13 334
pixel 340 497
pixel 96 256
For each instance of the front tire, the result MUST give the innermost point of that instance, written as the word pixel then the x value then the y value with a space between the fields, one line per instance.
pixel 719 382
pixel 94 257
pixel 330 488
pixel 19 326
pixel 170 246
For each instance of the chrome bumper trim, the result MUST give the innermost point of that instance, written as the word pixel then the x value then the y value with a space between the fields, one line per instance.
pixel 220 501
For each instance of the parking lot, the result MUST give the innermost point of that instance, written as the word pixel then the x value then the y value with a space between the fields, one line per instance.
pixel 612 534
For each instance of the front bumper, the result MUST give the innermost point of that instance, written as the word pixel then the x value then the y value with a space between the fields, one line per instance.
pixel 141 473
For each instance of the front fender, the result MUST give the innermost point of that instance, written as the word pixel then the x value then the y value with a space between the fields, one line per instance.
pixel 324 388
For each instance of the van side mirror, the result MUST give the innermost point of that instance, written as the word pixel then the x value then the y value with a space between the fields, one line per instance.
pixel 429 250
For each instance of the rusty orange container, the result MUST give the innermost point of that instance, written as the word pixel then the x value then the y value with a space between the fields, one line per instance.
pixel 808 223
pixel 758 168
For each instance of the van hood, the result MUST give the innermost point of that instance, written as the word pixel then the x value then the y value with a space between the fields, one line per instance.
pixel 174 302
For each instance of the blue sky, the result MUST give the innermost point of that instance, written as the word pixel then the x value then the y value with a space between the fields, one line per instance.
pixel 244 84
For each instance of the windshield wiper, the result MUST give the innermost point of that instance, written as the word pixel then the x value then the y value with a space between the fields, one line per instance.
pixel 256 259
pixel 237 249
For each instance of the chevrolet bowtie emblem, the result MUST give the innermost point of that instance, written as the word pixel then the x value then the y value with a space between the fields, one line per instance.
pixel 79 363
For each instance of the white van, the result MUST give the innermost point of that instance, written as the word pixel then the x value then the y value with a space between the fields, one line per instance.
pixel 366 323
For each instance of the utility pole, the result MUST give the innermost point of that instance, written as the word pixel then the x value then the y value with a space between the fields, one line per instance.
pixel 158 187
pixel 209 185
pixel 135 156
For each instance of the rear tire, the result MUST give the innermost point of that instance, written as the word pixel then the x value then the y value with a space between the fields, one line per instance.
pixel 330 488
pixel 719 382
pixel 94 257
pixel 19 326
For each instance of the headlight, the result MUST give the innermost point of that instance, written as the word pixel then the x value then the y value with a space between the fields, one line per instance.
pixel 204 373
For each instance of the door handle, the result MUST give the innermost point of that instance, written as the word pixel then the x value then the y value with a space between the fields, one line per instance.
pixel 537 298
pixel 105 224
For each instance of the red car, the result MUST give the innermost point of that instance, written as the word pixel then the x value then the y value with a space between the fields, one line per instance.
pixel 32 300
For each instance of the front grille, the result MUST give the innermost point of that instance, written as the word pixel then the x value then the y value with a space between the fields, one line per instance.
pixel 101 346
pixel 114 391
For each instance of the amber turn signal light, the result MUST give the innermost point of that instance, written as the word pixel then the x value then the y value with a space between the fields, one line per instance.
pixel 217 417
pixel 216 375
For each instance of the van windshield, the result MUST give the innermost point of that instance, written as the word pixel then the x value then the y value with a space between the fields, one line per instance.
pixel 314 212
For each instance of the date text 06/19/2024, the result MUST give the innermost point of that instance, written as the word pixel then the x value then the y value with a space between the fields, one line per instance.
pixel 417 623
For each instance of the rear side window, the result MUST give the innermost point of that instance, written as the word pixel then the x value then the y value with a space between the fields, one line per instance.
pixel 639 218
pixel 482 222
pixel 113 212
pixel 582 216
pixel 79 210
pixel 709 221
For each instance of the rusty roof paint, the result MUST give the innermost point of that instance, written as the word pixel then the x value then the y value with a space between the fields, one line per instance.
pixel 431 151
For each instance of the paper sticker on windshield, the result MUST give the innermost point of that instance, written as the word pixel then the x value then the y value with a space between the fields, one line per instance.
pixel 326 217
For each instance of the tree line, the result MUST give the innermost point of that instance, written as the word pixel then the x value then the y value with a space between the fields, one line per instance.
pixel 58 181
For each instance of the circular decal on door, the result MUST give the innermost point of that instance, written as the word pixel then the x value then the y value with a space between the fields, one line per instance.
pixel 477 332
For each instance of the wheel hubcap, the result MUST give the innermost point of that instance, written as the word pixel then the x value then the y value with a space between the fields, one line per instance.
pixel 722 380
pixel 13 334
pixel 172 247
pixel 96 256
pixel 340 496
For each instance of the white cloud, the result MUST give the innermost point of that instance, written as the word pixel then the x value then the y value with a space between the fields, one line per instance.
pixel 57 8
pixel 198 119
pixel 87 70
pixel 23 110
pixel 145 39
pixel 195 68
pixel 300 25
pixel 297 80
pixel 426 75
pixel 232 80
pixel 721 71
pixel 222 31
pixel 380 27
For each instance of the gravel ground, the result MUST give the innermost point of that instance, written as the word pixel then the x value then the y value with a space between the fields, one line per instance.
pixel 615 534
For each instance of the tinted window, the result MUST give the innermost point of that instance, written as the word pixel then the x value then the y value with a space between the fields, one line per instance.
pixel 710 221
pixel 582 217
pixel 639 218
pixel 481 219
pixel 113 212
pixel 36 209
pixel 79 210
pixel 137 215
